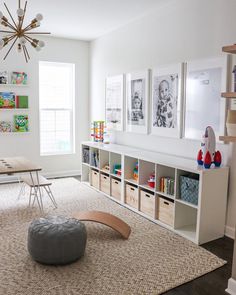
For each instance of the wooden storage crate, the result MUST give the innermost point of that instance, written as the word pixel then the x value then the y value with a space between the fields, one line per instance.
pixel 131 196
pixel 95 178
pixel 165 210
pixel 105 183
pixel 116 188
pixel 148 203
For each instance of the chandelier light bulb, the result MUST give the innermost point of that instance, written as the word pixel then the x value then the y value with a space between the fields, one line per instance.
pixel 38 48
pixel 41 44
pixel 39 17
pixel 20 12
pixel 22 41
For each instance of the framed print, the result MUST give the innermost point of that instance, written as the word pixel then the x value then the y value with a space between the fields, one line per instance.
pixel 114 102
pixel 205 80
pixel 167 92
pixel 137 97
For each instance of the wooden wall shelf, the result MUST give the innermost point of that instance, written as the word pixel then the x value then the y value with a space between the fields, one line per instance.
pixel 228 94
pixel 229 49
pixel 228 138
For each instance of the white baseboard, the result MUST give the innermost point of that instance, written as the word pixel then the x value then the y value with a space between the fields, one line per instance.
pixel 230 232
pixel 59 174
pixel 231 287
pixel 14 178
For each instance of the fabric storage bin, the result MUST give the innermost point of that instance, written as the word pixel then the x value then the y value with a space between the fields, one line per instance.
pixel 105 183
pixel 131 196
pixel 148 203
pixel 189 188
pixel 116 188
pixel 95 178
pixel 165 210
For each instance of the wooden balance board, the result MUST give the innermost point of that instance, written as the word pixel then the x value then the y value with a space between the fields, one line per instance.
pixel 107 219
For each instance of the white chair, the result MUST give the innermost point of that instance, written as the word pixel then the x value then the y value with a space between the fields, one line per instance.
pixel 35 189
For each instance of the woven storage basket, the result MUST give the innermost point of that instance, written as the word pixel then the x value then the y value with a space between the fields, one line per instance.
pixel 189 188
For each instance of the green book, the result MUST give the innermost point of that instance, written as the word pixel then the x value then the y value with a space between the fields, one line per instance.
pixel 21 123
pixel 22 102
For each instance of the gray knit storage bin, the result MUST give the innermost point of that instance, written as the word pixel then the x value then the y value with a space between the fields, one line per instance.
pixel 189 188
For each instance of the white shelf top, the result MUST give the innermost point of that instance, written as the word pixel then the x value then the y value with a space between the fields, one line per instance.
pixel 13 109
pixel 158 158
pixel 14 85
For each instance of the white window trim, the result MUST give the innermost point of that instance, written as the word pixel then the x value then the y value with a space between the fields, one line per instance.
pixel 72 117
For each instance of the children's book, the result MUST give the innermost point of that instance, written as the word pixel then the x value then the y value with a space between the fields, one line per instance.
pixel 21 123
pixel 7 100
pixel 5 126
pixel 3 77
pixel 22 102
pixel 19 78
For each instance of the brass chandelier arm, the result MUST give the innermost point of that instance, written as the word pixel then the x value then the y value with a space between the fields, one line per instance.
pixel 38 33
pixel 16 37
pixel 8 32
pixel 25 54
pixel 23 18
pixel 9 25
pixel 10 15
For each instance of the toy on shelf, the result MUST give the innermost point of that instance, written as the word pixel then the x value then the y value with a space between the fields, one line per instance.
pixel 151 180
pixel 117 169
pixel 106 168
pixel 98 130
pixel 135 174
pixel 207 154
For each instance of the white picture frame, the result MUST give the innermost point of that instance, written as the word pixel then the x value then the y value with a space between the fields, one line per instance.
pixel 167 100
pixel 114 103
pixel 204 106
pixel 137 102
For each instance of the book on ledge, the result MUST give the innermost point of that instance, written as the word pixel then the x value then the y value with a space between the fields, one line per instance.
pixel 22 102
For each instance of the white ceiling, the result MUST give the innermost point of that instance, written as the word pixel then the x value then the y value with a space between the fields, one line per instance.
pixel 84 19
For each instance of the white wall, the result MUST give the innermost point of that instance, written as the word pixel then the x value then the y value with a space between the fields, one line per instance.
pixel 178 31
pixel 58 50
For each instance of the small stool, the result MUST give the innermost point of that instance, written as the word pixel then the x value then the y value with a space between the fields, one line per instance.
pixel 35 186
pixel 56 240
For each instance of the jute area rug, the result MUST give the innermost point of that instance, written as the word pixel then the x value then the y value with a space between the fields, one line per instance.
pixel 152 261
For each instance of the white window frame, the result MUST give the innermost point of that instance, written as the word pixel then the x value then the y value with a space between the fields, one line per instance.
pixel 72 112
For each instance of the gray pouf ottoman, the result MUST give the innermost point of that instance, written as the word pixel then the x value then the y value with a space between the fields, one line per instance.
pixel 56 240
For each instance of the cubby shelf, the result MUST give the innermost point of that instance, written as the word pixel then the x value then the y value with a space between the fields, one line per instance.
pixel 199 224
pixel 228 94
pixel 229 49
pixel 165 195
pixel 228 138
pixel 187 203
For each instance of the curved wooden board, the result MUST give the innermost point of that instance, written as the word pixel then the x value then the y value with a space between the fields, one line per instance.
pixel 107 219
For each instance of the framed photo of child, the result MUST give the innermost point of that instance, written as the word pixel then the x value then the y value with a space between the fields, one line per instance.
pixel 167 100
pixel 114 102
pixel 137 102
pixel 204 106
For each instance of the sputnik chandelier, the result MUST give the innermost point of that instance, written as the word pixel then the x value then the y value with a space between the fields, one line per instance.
pixel 19 34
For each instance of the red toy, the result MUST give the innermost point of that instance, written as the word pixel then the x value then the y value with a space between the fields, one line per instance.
pixel 217 159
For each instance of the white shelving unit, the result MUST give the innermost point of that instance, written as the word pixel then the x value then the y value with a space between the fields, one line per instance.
pixel 199 223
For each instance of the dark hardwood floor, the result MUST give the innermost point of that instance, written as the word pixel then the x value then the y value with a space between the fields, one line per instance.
pixel 213 283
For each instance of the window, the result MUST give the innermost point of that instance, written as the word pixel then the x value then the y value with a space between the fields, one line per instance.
pixel 56 103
